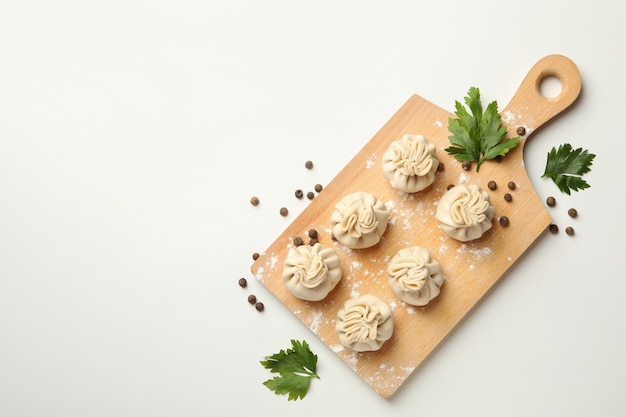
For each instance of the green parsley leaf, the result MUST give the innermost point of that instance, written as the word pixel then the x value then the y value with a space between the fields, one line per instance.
pixel 565 166
pixel 296 367
pixel 478 136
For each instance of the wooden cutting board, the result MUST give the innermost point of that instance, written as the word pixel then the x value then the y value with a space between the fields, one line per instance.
pixel 471 269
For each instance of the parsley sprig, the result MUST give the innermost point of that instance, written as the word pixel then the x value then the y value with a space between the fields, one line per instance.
pixel 296 368
pixel 478 136
pixel 565 165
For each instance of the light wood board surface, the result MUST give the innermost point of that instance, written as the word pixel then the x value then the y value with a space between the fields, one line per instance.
pixel 471 268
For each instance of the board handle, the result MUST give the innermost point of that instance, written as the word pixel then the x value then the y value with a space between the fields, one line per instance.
pixel 529 108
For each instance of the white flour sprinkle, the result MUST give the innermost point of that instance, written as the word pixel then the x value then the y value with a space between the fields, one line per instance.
pixel 347 250
pixel 463 178
pixel 314 319
pixel 370 163
pixel 259 274
pixel 273 261
pixel 352 361
pixel 355 265
pixel 480 253
pixel 336 348
pixel 438 123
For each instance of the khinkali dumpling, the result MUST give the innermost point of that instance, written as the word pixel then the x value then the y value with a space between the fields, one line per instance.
pixel 359 220
pixel 409 164
pixel 364 324
pixel 414 277
pixel 464 212
pixel 311 272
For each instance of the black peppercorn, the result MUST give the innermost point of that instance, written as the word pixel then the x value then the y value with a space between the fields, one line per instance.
pixel 284 211
pixel 259 306
pixel 511 185
pixel 243 283
pixel 441 167
pixel 254 201
pixel 318 187
pixel 572 212
pixel 252 299
pixel 255 256
pixel 521 131
pixel 310 195
pixel 492 185
pixel 504 221
pixel 554 229
pixel 551 201
pixel 308 165
pixel 569 231
pixel 467 165
pixel 297 241
pixel 313 234
pixel 450 186
pixel 313 241
pixel 299 193
pixel 508 197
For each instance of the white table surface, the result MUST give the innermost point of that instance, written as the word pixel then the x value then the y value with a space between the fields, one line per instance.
pixel 133 133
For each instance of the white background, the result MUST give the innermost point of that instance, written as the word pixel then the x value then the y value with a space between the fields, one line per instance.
pixel 133 133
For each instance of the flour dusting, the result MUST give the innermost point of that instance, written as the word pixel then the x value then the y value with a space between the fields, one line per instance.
pixel 259 274
pixel 336 348
pixel 314 320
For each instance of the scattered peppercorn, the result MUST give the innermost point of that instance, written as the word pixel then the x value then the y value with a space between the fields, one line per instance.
pixel 252 299
pixel 299 193
pixel 243 283
pixel 450 186
pixel 569 230
pixel 254 201
pixel 492 185
pixel 504 221
pixel 441 167
pixel 297 241
pixel 284 211
pixel 498 158
pixel 318 187
pixel 259 306
pixel 572 212
pixel 255 256
pixel 554 229
pixel 511 185
pixel 467 165
pixel 308 165
pixel 508 197
pixel 313 234
pixel 521 131
pixel 551 201
pixel 313 241
pixel 310 195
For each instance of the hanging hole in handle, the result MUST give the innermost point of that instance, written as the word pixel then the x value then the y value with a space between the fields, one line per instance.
pixel 550 86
